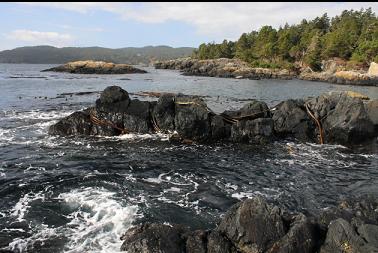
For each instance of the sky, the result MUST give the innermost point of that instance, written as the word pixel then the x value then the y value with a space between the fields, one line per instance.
pixel 117 25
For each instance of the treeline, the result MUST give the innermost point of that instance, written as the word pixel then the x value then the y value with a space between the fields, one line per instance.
pixel 351 36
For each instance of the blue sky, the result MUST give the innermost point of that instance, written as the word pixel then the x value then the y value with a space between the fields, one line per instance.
pixel 117 25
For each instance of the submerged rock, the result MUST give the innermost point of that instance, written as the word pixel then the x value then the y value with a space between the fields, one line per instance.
pixel 96 67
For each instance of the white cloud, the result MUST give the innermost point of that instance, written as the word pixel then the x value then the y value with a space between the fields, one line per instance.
pixel 217 20
pixel 40 38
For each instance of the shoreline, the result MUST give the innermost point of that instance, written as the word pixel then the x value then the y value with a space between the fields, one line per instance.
pixel 237 69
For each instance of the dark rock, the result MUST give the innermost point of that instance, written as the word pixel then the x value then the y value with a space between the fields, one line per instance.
pixel 196 242
pixel 219 128
pixel 78 123
pixel 301 238
pixel 164 113
pixel 341 237
pixel 254 131
pixel 152 238
pixel 219 244
pixel 192 120
pixel 369 233
pixel 348 123
pixel 137 117
pixel 113 99
pixel 252 110
pixel 243 225
pixel 291 119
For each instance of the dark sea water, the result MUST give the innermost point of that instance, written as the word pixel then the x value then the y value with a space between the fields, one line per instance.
pixel 81 194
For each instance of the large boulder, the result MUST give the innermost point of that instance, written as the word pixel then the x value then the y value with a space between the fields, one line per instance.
pixel 253 225
pixel 348 123
pixel 342 237
pixel 192 119
pixel 302 237
pixel 257 131
pixel 153 237
pixel 78 123
pixel 164 113
pixel 373 69
pixel 291 120
pixel 113 99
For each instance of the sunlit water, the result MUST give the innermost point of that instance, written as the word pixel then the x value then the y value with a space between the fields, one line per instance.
pixel 81 194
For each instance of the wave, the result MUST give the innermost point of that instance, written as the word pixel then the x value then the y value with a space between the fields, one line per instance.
pixel 97 220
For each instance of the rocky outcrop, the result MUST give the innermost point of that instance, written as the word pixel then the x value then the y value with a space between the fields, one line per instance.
pixel 333 71
pixel 96 67
pixel 223 67
pixel 373 69
pixel 341 118
pixel 333 74
pixel 254 226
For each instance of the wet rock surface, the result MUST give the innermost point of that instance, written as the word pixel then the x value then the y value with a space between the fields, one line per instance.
pixel 96 67
pixel 337 118
pixel 253 225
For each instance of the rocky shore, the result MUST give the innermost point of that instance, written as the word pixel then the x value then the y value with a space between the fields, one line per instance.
pixel 234 68
pixel 223 67
pixel 254 226
pixel 332 74
pixel 336 118
pixel 95 67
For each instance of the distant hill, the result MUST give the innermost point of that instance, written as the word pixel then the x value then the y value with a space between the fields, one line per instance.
pixel 131 55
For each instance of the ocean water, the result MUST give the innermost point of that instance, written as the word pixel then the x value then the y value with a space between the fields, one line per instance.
pixel 80 194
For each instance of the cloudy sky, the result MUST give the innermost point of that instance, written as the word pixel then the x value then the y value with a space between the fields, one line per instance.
pixel 118 25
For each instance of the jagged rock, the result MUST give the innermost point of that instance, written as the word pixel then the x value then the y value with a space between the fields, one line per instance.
pixel 164 113
pixel 254 131
pixel 78 123
pixel 302 237
pixel 96 67
pixel 196 242
pixel 344 118
pixel 137 118
pixel 291 119
pixel 192 120
pixel 243 225
pixel 252 110
pixel 113 99
pixel 219 244
pixel 219 128
pixel 342 237
pixel 153 237
pixel 348 123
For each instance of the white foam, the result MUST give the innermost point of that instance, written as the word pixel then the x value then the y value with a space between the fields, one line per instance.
pixel 22 206
pixel 97 221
